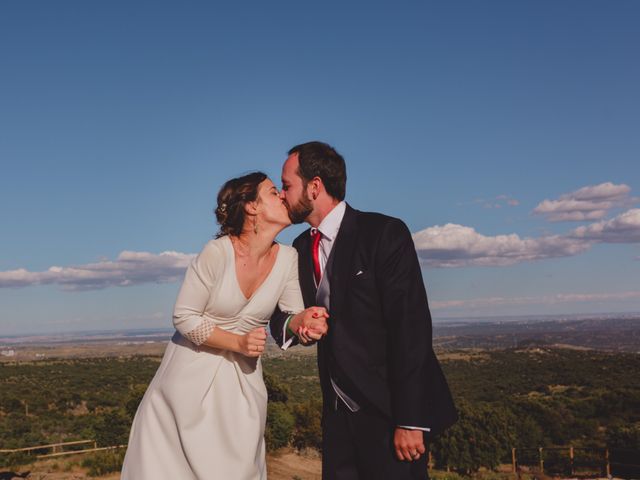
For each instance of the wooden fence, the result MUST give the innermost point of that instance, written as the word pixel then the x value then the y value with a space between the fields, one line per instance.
pixel 61 449
pixel 574 461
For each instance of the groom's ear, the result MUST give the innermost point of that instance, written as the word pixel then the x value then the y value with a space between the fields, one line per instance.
pixel 315 187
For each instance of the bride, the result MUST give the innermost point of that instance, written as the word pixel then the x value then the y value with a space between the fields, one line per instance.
pixel 203 415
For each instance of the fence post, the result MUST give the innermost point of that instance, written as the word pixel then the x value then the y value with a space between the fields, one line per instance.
pixel 608 464
pixel 430 461
pixel 513 460
pixel 571 459
pixel 541 461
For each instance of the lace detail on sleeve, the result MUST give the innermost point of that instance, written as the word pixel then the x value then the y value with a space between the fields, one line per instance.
pixel 199 334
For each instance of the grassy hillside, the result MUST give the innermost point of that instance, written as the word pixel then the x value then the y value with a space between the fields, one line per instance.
pixel 522 398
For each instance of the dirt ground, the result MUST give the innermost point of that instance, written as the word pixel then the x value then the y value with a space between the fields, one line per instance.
pixel 283 465
pixel 288 465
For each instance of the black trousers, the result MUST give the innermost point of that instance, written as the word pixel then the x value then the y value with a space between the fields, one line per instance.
pixel 359 446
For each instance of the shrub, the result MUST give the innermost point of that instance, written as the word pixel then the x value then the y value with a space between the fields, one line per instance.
pixel 103 463
pixel 112 429
pixel 308 431
pixel 280 424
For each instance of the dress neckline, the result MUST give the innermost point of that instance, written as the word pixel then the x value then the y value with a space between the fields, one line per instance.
pixel 235 273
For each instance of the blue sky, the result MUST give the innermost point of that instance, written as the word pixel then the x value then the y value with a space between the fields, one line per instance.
pixel 120 120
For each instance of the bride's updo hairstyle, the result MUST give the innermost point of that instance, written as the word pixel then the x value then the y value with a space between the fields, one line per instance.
pixel 232 198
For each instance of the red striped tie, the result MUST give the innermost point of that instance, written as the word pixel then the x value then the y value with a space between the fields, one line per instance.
pixel 316 236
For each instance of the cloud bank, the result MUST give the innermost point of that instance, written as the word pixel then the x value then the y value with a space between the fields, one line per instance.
pixel 588 203
pixel 130 268
pixel 454 245
pixel 440 246
pixel 625 228
pixel 540 300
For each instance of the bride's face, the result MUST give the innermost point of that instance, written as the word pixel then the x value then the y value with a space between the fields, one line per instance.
pixel 271 207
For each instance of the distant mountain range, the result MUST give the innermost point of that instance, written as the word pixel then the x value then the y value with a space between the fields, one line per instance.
pixel 615 332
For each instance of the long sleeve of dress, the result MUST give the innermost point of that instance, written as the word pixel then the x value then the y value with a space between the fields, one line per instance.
pixel 189 311
pixel 290 302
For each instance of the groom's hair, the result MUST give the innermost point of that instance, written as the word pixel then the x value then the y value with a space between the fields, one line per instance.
pixel 318 159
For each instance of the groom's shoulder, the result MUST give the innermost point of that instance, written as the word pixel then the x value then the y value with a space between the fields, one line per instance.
pixel 300 238
pixel 378 221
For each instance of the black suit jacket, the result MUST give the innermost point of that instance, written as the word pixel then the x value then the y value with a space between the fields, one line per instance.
pixel 380 325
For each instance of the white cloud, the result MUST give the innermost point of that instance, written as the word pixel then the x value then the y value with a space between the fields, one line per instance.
pixel 130 268
pixel 539 300
pixel 497 202
pixel 587 203
pixel 454 245
pixel 624 228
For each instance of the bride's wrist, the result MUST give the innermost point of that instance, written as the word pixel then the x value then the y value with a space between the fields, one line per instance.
pixel 237 342
pixel 294 323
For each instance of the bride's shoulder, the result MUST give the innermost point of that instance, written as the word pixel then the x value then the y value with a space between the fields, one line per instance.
pixel 288 249
pixel 288 252
pixel 214 248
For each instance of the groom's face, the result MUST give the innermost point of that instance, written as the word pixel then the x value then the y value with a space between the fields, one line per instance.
pixel 294 191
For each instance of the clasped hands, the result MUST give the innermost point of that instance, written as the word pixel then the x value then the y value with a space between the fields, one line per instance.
pixel 310 325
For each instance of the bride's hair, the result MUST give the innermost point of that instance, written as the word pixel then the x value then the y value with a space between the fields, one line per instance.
pixel 232 198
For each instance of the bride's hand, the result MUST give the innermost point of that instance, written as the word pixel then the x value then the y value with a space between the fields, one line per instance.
pixel 310 325
pixel 252 343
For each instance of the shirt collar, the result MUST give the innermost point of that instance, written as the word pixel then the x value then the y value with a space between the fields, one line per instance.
pixel 331 223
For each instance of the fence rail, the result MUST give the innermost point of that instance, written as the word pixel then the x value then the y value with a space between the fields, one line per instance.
pixel 541 459
pixel 53 446
pixel 576 461
pixel 59 449
pixel 76 452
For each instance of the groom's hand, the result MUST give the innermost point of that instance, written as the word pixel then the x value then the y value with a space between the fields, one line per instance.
pixel 409 444
pixel 310 325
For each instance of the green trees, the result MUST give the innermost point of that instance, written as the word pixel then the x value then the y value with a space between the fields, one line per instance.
pixel 308 431
pixel 280 423
pixel 112 428
pixel 509 398
pixel 482 437
pixel 290 423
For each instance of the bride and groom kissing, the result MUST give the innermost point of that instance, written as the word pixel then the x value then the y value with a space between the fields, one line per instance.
pixel 351 284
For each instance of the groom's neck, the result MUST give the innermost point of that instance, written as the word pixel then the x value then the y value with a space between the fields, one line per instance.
pixel 322 207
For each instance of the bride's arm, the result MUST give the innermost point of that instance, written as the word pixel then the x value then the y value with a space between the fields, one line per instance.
pixel 189 316
pixel 250 344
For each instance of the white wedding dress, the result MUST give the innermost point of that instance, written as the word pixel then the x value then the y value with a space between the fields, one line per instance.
pixel 203 415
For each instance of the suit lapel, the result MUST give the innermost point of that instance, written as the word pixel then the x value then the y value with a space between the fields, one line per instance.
pixel 343 259
pixel 305 271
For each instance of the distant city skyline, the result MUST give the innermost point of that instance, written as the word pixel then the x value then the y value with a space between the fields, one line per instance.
pixel 505 135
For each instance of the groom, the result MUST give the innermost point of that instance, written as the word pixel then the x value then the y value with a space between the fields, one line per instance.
pixel 383 390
